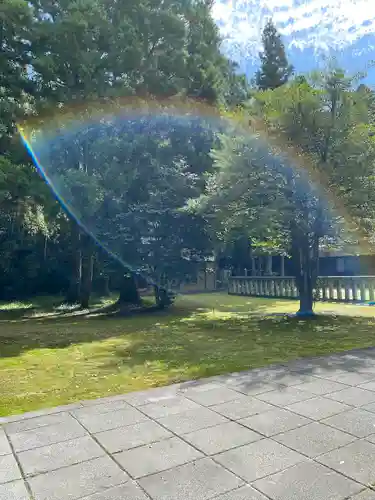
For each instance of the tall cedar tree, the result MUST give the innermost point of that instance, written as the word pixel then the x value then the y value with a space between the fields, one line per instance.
pixel 275 69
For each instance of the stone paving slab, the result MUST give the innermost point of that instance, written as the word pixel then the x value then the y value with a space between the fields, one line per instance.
pixel 274 422
pixel 356 460
pixel 38 422
pixel 244 493
pixel 191 421
pixel 157 457
pixel 359 422
pixel 131 436
pixel 314 439
pixel 259 459
pixel 5 448
pixel 44 436
pixel 318 408
pixel 305 431
pixel 364 495
pixel 39 413
pixel 77 481
pixel 59 455
pixel 354 396
pixel 212 396
pixel 201 480
pixel 308 480
pixel 221 438
pixel 320 387
pixel 284 397
pixel 14 491
pixel 241 408
pixel 128 491
pixel 9 470
pixel 97 422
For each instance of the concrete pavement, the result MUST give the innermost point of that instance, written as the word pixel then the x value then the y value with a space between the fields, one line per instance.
pixel 304 430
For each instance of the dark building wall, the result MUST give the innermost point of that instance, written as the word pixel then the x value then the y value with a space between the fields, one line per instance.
pixel 348 265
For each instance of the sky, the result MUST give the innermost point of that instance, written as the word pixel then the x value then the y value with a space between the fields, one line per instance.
pixel 312 30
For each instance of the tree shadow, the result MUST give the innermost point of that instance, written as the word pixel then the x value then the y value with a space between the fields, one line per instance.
pixel 54 329
pixel 210 348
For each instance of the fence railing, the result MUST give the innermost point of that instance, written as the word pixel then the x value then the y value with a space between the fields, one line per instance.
pixel 333 288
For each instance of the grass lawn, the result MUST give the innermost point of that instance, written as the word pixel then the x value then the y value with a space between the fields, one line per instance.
pixel 49 357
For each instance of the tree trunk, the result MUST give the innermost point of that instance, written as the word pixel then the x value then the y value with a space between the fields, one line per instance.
pixel 103 286
pixel 129 292
pixel 306 302
pixel 73 294
pixel 304 258
pixel 87 271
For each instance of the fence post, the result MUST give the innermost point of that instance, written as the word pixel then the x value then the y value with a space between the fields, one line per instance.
pixel 282 266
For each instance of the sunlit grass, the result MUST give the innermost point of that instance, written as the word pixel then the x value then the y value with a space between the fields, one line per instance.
pixel 53 358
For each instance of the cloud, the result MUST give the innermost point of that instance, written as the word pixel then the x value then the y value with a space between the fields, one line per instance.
pixel 320 25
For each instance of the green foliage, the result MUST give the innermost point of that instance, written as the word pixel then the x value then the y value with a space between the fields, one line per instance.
pixel 65 53
pixel 275 69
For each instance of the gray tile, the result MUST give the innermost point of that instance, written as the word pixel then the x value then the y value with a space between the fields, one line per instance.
pixel 307 480
pixel 356 460
pixel 141 398
pixel 191 421
pixel 285 397
pixel 59 455
pixel 314 439
pixel 364 495
pixel 358 422
pixel 213 396
pixel 291 378
pixel 78 481
pixel 39 413
pixel 274 421
pixel 200 480
pixel 221 438
pixel 157 457
pixel 198 386
pixel 4 444
pixel 258 459
pixel 105 400
pixel 241 408
pixel 319 387
pixel 257 388
pixel 170 406
pixel 43 436
pixel 370 407
pixel 353 396
pixel 14 491
pixel 111 420
pixel 372 440
pixel 128 491
pixel 125 438
pixel 102 408
pixel 318 408
pixel 369 386
pixel 351 378
pixel 37 422
pixel 244 493
pixel 9 470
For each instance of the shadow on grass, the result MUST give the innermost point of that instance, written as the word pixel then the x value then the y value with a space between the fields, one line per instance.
pixel 58 330
pixel 197 337
pixel 222 345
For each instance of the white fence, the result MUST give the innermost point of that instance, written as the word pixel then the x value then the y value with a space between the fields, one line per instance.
pixel 333 288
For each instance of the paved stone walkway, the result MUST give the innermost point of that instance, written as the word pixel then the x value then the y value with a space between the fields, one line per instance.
pixel 305 431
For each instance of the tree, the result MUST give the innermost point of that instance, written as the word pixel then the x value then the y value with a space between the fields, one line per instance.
pixel 302 179
pixel 323 119
pixel 275 69
pixel 62 54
